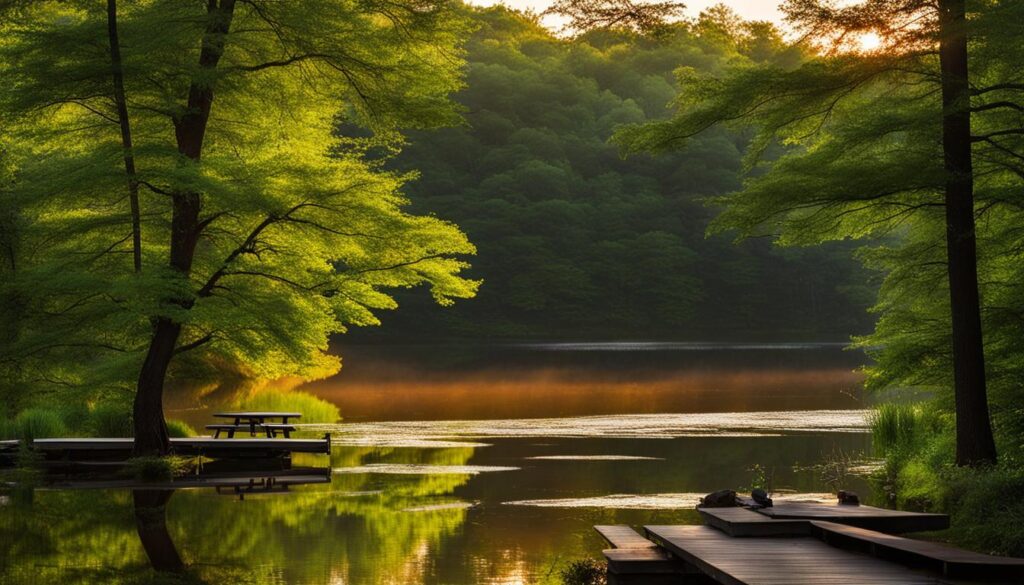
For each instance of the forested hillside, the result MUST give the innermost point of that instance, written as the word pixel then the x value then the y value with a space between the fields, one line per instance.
pixel 575 240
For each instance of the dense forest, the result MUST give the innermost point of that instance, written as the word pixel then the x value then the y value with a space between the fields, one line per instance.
pixel 573 239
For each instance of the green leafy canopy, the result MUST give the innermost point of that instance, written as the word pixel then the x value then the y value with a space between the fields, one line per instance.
pixel 303 234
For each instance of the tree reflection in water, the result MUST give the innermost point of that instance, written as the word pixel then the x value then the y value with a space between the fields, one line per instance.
pixel 151 524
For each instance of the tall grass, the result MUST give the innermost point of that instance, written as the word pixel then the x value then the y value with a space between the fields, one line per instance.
pixel 8 430
pixel 898 427
pixel 110 419
pixel 313 409
pixel 38 423
pixel 179 429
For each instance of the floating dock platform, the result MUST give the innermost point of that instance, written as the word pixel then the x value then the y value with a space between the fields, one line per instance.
pixel 798 544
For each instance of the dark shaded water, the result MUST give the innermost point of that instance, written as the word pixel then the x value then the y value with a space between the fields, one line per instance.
pixel 507 457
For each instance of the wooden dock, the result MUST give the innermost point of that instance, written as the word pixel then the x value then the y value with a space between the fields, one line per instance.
pixel 744 546
pixel 738 521
pixel 947 560
pixel 778 561
pixel 794 519
pixel 880 519
pixel 121 449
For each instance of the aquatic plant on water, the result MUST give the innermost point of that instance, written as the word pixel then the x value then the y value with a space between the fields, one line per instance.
pixel 584 572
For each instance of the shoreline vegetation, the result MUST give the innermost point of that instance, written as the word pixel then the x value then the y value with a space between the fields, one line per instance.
pixel 110 419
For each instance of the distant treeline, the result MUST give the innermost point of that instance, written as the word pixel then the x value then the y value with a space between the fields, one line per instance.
pixel 575 240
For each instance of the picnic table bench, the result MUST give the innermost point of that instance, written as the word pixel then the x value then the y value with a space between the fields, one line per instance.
pixel 253 422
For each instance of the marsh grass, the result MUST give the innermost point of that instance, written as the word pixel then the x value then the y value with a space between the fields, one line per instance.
pixel 37 423
pixel 897 426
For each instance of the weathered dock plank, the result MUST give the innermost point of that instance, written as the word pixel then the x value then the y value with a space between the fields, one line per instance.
pixel 638 561
pixel 951 562
pixel 880 519
pixel 622 536
pixel 779 561
pixel 741 522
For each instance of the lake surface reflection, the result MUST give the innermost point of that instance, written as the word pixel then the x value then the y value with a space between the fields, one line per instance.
pixel 481 465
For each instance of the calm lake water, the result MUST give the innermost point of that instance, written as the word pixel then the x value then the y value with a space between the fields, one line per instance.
pixel 460 465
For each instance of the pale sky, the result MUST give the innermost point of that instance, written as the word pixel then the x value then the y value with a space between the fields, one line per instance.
pixel 747 9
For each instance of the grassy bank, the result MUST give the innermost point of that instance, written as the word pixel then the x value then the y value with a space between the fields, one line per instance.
pixel 106 419
pixel 114 419
pixel 985 506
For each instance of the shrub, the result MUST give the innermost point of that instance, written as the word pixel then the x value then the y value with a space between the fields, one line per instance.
pixel 39 423
pixel 75 414
pixel 584 572
pixel 110 419
pixel 179 429
pixel 8 430
pixel 986 509
pixel 313 409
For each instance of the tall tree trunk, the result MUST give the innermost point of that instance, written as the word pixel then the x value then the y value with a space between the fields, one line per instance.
pixel 974 441
pixel 189 130
pixel 151 524
pixel 126 132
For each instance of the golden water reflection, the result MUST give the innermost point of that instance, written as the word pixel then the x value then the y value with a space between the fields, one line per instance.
pixel 510 507
pixel 387 383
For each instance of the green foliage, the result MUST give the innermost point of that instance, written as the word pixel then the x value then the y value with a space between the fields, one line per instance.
pixel 987 510
pixel 313 409
pixel 576 241
pixel 760 478
pixel 179 429
pixel 8 430
pixel 860 142
pixel 302 232
pixel 584 572
pixel 898 427
pixel 984 504
pixel 38 423
pixel 110 419
pixel 105 419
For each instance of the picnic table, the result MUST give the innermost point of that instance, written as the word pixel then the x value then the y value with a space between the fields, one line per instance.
pixel 253 421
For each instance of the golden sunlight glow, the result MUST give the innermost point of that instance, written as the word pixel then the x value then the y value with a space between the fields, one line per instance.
pixel 869 42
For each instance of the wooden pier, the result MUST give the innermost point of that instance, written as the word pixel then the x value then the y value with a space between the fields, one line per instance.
pixel 791 545
pixel 794 519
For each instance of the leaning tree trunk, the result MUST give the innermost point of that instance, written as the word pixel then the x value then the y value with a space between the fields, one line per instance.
pixel 974 442
pixel 189 131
